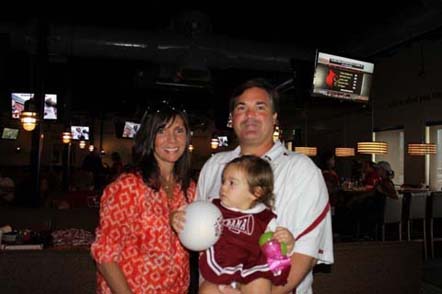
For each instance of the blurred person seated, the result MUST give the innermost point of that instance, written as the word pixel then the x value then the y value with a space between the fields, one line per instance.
pixel 370 176
pixel 7 189
pixel 116 167
pixel 93 163
pixel 385 186
pixel 331 178
pixel 367 209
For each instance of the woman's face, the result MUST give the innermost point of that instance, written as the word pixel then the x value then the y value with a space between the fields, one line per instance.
pixel 170 142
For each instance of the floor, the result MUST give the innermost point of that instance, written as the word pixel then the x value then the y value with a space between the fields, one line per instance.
pixel 432 276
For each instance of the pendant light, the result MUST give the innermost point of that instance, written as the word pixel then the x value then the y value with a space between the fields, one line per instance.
pixel 344 151
pixel 372 147
pixel 306 150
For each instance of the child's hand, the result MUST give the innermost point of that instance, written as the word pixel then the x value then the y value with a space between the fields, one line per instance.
pixel 177 219
pixel 282 234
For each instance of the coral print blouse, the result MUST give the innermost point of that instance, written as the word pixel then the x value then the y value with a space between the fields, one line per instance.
pixel 134 231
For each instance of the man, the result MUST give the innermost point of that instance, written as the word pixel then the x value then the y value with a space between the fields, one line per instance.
pixel 301 200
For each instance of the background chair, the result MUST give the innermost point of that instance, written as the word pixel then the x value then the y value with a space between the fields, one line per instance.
pixel 436 213
pixel 418 202
pixel 392 215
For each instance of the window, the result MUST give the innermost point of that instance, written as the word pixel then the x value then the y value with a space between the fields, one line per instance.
pixel 395 141
pixel 435 161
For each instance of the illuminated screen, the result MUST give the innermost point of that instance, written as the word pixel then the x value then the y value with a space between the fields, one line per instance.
pixel 130 129
pixel 223 141
pixel 80 132
pixel 342 78
pixel 9 133
pixel 18 104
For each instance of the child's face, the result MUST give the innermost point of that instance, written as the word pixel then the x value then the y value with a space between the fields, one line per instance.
pixel 234 190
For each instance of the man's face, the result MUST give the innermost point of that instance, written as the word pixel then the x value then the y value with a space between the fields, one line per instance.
pixel 253 118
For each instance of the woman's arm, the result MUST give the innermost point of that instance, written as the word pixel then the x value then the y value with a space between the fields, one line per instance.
pixel 114 277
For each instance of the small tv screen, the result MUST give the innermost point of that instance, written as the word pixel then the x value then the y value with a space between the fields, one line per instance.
pixel 342 78
pixel 223 141
pixel 18 104
pixel 10 134
pixel 130 129
pixel 80 133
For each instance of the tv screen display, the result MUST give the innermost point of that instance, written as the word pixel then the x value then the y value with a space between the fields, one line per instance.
pixel 80 133
pixel 342 78
pixel 223 141
pixel 130 129
pixel 18 104
pixel 9 133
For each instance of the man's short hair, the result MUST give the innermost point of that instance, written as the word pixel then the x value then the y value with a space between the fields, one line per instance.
pixel 256 83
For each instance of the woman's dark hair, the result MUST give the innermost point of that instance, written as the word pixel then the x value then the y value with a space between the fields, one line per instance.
pixel 259 176
pixel 256 83
pixel 143 157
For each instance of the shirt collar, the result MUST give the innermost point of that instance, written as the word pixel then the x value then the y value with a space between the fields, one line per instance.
pixel 271 155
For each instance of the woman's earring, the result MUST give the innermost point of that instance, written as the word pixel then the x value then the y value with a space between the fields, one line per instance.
pixel 229 121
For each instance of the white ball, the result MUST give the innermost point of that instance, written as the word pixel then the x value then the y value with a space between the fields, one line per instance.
pixel 203 226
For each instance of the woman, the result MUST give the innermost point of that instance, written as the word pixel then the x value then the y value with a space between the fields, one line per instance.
pixel 135 249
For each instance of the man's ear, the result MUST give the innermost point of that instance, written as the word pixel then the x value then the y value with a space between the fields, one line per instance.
pixel 275 118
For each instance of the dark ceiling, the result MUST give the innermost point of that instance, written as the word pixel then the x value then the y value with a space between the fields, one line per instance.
pixel 121 59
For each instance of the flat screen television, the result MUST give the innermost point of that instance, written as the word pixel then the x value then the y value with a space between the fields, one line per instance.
pixel 9 133
pixel 130 129
pixel 80 133
pixel 342 78
pixel 223 141
pixel 18 104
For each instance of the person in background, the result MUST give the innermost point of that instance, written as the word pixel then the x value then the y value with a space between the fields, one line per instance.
pixel 116 167
pixel 369 175
pixel 136 249
pixel 94 164
pixel 246 194
pixel 7 189
pixel 385 186
pixel 301 200
pixel 331 178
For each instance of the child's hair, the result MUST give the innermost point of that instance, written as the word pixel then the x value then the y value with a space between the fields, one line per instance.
pixel 259 176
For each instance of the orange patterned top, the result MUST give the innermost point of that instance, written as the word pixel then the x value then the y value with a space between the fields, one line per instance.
pixel 134 231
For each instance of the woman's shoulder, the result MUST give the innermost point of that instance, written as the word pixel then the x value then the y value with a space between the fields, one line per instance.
pixel 127 179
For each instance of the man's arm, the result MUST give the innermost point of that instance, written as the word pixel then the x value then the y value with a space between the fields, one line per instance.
pixel 301 266
pixel 114 277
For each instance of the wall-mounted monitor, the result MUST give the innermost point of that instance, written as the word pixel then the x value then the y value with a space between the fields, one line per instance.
pixel 80 133
pixel 342 78
pixel 18 104
pixel 130 129
pixel 9 133
pixel 223 141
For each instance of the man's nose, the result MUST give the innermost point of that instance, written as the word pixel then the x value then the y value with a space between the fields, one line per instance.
pixel 250 113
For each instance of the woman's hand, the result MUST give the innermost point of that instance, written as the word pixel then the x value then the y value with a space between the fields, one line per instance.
pixel 177 219
pixel 282 234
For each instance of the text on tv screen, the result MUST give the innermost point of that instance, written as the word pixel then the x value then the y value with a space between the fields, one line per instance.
pixel 342 78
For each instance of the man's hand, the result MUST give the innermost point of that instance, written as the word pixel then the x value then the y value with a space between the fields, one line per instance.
pixel 226 289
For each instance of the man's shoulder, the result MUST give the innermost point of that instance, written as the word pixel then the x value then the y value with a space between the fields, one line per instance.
pixel 291 158
pixel 221 158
